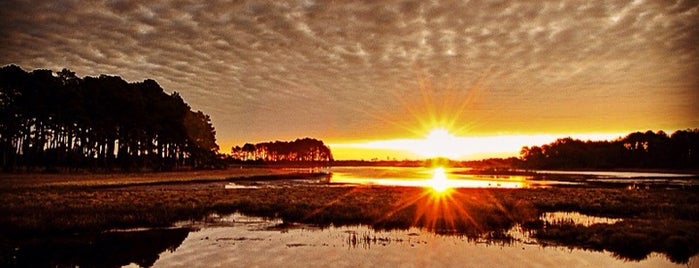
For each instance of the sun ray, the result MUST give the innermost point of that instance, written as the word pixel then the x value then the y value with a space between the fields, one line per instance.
pixel 443 106
pixel 471 95
pixel 438 210
pixel 403 203
pixel 444 213
pixel 462 210
pixel 327 205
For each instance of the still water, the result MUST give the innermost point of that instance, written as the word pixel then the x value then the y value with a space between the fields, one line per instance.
pixel 465 178
pixel 241 241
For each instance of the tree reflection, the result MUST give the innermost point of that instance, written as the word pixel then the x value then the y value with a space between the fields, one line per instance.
pixel 111 249
pixel 629 239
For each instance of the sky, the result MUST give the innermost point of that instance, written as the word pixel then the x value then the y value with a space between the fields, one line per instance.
pixel 353 73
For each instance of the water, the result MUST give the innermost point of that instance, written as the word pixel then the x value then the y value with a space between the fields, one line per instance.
pixel 109 249
pixel 427 177
pixel 256 242
pixel 464 178
pixel 617 174
pixel 237 240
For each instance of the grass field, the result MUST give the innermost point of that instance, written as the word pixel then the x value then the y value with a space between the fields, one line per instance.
pixel 659 220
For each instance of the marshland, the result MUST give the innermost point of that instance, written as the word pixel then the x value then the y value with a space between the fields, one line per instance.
pixel 651 218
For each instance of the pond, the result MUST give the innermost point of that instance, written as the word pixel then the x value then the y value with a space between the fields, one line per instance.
pixel 241 241
pixel 467 178
pixel 257 242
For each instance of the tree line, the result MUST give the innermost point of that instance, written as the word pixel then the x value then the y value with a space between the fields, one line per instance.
pixel 299 150
pixel 649 149
pixel 51 120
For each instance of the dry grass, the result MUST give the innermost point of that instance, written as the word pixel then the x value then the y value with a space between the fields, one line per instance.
pixel 666 220
pixel 30 180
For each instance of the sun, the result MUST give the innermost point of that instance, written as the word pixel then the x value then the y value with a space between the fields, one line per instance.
pixel 440 143
pixel 439 134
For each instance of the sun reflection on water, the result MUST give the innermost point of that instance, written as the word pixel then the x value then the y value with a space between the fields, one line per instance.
pixel 439 182
pixel 439 206
pixel 438 179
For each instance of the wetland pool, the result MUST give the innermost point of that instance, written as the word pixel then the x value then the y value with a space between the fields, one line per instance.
pixel 256 242
pixel 238 240
pixel 467 178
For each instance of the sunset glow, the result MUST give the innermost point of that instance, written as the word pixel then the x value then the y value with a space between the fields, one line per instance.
pixel 440 143
pixel 368 75
pixel 439 180
pixel 306 133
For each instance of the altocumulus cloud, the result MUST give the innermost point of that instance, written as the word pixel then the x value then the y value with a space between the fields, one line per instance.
pixel 282 69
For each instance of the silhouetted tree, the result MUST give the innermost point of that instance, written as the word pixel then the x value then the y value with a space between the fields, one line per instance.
pixel 636 150
pixel 300 150
pixel 54 120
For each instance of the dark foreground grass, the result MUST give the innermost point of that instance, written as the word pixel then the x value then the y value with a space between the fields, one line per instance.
pixel 660 220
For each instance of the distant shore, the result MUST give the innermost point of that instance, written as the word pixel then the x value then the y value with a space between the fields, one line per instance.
pixel 40 179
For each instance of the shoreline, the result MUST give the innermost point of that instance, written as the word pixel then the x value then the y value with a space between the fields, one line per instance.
pixel 30 180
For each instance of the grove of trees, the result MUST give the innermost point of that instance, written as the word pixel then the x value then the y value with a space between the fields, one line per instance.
pixel 680 150
pixel 300 150
pixel 51 120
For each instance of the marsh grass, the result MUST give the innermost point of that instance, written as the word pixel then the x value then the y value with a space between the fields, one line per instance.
pixel 653 220
pixel 631 239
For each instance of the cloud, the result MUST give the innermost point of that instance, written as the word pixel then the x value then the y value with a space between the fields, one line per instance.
pixel 292 68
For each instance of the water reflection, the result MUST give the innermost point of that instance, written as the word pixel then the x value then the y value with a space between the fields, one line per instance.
pixel 441 208
pixel 575 218
pixel 438 178
pixel 110 249
pixel 247 242
pixel 238 240
pixel 468 178
pixel 439 181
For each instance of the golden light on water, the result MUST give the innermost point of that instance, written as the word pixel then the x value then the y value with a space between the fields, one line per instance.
pixel 435 197
pixel 439 181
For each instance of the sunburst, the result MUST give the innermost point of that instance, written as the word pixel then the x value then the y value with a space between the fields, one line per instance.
pixel 439 182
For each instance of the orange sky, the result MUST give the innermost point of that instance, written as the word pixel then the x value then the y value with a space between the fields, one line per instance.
pixel 347 72
pixel 453 147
